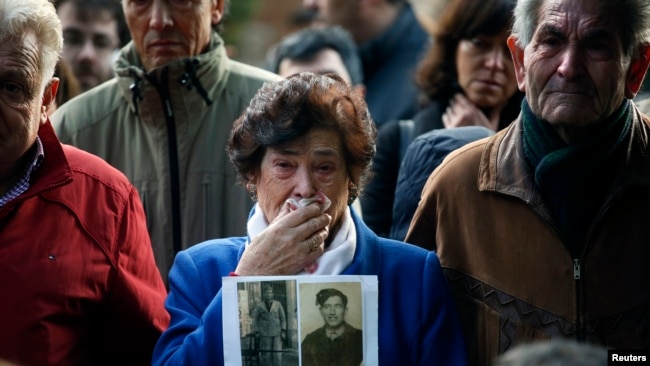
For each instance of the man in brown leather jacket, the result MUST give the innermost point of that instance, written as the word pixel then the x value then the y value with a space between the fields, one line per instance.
pixel 543 230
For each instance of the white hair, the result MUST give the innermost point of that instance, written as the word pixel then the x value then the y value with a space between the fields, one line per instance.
pixel 20 17
pixel 632 15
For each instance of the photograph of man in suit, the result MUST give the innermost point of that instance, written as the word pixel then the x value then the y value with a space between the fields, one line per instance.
pixel 269 322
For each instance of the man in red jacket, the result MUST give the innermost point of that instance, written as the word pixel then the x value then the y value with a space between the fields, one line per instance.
pixel 78 279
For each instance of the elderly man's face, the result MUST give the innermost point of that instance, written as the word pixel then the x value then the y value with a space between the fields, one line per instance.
pixel 574 71
pixel 333 311
pixel 167 30
pixel 22 105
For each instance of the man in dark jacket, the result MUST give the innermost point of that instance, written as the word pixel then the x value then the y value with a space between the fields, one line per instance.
pixel 542 229
pixel 391 42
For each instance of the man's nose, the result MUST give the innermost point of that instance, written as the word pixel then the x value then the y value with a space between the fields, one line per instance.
pixel 571 62
pixel 161 16
pixel 88 51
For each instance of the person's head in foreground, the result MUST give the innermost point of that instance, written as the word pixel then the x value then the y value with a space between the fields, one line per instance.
pixel 559 352
pixel 306 139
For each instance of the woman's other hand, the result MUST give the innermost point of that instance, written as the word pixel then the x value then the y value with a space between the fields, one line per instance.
pixel 462 112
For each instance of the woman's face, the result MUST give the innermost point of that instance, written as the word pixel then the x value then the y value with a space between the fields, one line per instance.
pixel 298 170
pixel 485 70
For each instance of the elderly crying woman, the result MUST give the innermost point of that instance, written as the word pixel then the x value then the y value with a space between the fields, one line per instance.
pixel 302 149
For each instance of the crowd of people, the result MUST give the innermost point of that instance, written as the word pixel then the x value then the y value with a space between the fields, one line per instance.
pixel 487 162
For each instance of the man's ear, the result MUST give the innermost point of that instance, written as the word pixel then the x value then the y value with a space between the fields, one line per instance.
pixel 637 71
pixel 216 10
pixel 49 97
pixel 518 62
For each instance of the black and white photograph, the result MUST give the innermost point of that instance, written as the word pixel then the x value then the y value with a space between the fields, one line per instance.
pixel 300 320
pixel 268 323
pixel 331 324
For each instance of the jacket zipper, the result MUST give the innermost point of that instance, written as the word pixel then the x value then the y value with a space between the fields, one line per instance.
pixel 206 204
pixel 174 175
pixel 577 275
pixel 576 269
pixel 581 331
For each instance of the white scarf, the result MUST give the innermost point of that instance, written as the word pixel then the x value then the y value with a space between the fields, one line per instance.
pixel 338 255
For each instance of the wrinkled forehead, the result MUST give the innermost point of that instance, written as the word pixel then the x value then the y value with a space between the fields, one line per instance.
pixel 578 15
pixel 20 46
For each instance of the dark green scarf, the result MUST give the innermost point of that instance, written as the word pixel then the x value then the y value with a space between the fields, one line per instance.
pixel 574 179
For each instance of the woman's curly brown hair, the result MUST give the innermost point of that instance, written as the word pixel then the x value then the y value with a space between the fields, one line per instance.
pixel 283 111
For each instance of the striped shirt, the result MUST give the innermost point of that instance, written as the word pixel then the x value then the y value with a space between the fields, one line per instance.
pixel 23 183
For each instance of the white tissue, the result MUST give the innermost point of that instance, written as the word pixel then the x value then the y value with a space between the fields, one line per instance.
pixel 318 197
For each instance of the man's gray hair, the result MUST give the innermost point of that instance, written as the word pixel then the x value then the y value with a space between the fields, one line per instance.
pixel 633 17
pixel 20 17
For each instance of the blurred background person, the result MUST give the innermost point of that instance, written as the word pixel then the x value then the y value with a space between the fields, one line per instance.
pixel 466 78
pixel 93 31
pixel 390 41
pixel 427 12
pixel 318 50
pixel 303 148
pixel 423 155
pixel 164 121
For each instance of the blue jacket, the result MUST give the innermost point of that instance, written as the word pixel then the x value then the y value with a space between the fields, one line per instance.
pixel 418 324
pixel 422 156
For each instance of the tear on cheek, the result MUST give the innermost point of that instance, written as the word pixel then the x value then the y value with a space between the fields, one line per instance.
pixel 319 198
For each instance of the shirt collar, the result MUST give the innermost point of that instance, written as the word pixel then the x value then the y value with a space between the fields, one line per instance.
pixel 22 184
